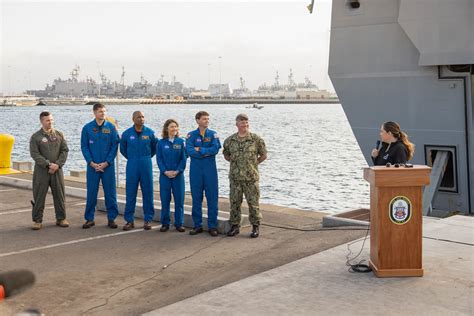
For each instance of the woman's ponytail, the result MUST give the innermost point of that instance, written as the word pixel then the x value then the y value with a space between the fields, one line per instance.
pixel 410 146
pixel 394 128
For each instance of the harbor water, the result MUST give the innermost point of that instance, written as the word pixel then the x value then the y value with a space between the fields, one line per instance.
pixel 314 162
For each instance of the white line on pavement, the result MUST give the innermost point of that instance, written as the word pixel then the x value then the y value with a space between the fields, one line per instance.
pixel 71 242
pixel 7 190
pixel 16 212
pixel 21 211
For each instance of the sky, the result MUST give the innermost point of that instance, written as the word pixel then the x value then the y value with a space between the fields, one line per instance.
pixel 199 42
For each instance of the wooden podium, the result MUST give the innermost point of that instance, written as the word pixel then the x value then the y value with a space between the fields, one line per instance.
pixel 396 219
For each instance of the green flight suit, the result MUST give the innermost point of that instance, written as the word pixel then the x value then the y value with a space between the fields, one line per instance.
pixel 243 175
pixel 45 149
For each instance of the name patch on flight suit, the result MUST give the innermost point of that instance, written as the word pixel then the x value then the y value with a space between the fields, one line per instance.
pixel 176 146
pixel 207 139
pixel 145 137
pixel 106 131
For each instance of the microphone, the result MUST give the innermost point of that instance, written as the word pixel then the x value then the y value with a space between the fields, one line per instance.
pixel 14 282
pixel 377 145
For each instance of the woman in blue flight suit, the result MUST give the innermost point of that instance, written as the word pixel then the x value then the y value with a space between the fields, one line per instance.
pixel 171 159
pixel 396 148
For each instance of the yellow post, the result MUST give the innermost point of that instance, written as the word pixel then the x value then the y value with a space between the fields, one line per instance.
pixel 6 147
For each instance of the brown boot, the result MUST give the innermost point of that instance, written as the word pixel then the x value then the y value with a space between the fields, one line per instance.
pixel 36 226
pixel 129 226
pixel 195 231
pixel 88 224
pixel 62 223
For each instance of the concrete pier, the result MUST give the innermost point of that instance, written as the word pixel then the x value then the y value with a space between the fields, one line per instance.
pixel 321 285
pixel 102 271
pixel 294 267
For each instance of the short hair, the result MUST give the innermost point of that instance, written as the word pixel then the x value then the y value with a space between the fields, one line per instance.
pixel 241 117
pixel 43 114
pixel 98 106
pixel 135 113
pixel 200 114
pixel 164 132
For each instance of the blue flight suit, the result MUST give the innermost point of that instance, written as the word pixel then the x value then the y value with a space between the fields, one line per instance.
pixel 203 174
pixel 99 144
pixel 139 148
pixel 171 156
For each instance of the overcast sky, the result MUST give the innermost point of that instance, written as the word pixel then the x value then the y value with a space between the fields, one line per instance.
pixel 41 41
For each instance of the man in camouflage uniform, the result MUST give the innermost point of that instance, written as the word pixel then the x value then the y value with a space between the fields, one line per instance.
pixel 49 150
pixel 244 150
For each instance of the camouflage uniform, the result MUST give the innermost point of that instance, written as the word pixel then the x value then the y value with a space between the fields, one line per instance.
pixel 45 149
pixel 243 175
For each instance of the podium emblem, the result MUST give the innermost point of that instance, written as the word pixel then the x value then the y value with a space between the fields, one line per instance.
pixel 400 210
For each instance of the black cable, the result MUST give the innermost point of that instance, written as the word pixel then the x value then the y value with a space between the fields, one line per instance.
pixel 158 273
pixel 360 266
pixel 310 229
pixel 357 267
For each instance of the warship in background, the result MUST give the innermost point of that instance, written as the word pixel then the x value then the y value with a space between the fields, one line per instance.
pixel 73 90
pixel 411 62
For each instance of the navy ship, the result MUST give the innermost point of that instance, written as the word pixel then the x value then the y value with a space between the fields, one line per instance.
pixel 411 61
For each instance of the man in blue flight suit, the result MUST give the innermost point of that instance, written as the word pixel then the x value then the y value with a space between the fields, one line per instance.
pixel 99 144
pixel 202 145
pixel 138 145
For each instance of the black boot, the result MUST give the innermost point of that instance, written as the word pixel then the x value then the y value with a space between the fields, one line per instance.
pixel 234 230
pixel 255 231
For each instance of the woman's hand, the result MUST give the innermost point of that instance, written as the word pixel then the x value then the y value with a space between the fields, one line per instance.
pixel 375 153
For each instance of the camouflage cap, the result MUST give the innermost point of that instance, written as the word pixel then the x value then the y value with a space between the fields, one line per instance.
pixel 242 117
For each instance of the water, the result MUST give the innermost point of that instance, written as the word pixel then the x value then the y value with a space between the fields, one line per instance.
pixel 314 162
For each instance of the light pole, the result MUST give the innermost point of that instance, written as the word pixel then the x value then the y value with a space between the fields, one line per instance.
pixel 9 79
pixel 29 80
pixel 220 78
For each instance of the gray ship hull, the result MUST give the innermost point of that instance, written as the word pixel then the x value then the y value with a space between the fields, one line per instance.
pixel 410 62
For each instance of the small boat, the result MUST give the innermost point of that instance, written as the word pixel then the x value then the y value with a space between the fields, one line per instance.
pixel 255 106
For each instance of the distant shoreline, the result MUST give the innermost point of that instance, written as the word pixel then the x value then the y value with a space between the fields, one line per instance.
pixel 52 102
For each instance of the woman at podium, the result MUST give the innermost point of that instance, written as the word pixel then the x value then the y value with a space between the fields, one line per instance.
pixel 396 148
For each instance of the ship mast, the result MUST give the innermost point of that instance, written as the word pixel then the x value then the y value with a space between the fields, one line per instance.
pixel 122 81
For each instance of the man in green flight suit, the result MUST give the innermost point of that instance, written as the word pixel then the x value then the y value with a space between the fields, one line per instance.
pixel 244 150
pixel 49 150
